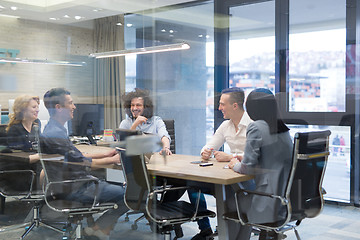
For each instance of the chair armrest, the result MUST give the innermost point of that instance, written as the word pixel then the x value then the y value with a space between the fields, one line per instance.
pixel 283 200
pixel 166 189
pixel 157 191
pixel 243 221
pixel 50 188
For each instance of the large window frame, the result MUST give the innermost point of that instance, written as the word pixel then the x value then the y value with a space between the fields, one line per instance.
pixel 221 73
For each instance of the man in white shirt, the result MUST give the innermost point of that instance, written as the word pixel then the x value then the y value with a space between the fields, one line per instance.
pixel 233 132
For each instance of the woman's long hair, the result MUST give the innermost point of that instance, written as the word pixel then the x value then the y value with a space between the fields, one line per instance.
pixel 261 105
pixel 20 105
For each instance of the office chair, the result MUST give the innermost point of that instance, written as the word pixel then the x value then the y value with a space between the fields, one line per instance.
pixel 140 195
pixel 3 145
pixel 22 190
pixel 170 127
pixel 303 195
pixel 56 192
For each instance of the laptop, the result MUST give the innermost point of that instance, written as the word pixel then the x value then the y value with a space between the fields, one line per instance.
pixel 121 134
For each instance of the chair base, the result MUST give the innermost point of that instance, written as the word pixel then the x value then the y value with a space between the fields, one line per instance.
pixel 38 223
pixel 134 226
pixel 29 226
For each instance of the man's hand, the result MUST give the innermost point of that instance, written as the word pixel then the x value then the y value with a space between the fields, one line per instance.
pixel 233 162
pixel 166 150
pixel 139 120
pixel 222 157
pixel 115 159
pixel 207 153
pixel 110 153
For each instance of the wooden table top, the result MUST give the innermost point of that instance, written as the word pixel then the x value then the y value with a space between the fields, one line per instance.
pixel 180 166
pixel 176 166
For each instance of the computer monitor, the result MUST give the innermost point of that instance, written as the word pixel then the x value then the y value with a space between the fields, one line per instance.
pixel 88 120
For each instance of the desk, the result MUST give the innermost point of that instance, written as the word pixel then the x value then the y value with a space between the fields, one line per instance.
pixel 180 166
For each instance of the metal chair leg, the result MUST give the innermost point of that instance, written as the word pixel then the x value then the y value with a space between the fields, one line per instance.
pixel 2 204
pixel 167 236
pixel 297 234
pixel 36 222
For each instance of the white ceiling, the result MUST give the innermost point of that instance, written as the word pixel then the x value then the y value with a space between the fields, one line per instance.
pixel 244 18
pixel 55 10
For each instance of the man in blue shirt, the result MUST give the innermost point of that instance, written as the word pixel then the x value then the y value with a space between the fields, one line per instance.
pixel 56 141
pixel 139 108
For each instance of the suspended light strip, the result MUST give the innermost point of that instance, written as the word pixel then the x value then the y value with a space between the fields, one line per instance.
pixel 38 61
pixel 145 50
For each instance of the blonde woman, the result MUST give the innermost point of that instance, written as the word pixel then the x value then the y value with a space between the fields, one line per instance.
pixel 20 130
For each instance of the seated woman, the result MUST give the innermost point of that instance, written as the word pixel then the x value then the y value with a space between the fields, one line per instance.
pixel 21 132
pixel 268 156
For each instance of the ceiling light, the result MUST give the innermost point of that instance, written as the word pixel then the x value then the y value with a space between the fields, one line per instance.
pixel 207 36
pixel 9 16
pixel 145 50
pixel 200 35
pixel 78 17
pixel 66 16
pixel 163 30
pixel 129 25
pixel 119 24
pixel 171 31
pixel 39 61
pixel 13 8
pixel 54 19
pixel 2 7
pixel 97 10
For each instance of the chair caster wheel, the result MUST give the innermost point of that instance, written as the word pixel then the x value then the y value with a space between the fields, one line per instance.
pixel 134 227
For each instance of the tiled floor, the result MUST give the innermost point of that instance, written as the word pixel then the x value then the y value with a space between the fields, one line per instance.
pixel 334 223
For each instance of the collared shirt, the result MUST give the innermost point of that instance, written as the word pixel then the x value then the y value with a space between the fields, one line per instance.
pixel 154 125
pixel 227 133
pixel 55 140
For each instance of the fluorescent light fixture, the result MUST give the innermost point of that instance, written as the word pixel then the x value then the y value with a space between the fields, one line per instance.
pixel 9 16
pixel 145 50
pixel 37 61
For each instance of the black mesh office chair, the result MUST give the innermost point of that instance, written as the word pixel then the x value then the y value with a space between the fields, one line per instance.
pixel 303 196
pixel 56 192
pixel 21 189
pixel 141 196
pixel 170 127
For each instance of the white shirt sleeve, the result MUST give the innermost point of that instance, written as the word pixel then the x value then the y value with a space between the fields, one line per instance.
pixel 217 140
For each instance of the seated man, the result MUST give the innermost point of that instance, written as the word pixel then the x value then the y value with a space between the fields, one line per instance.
pixel 233 132
pixel 139 109
pixel 55 141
